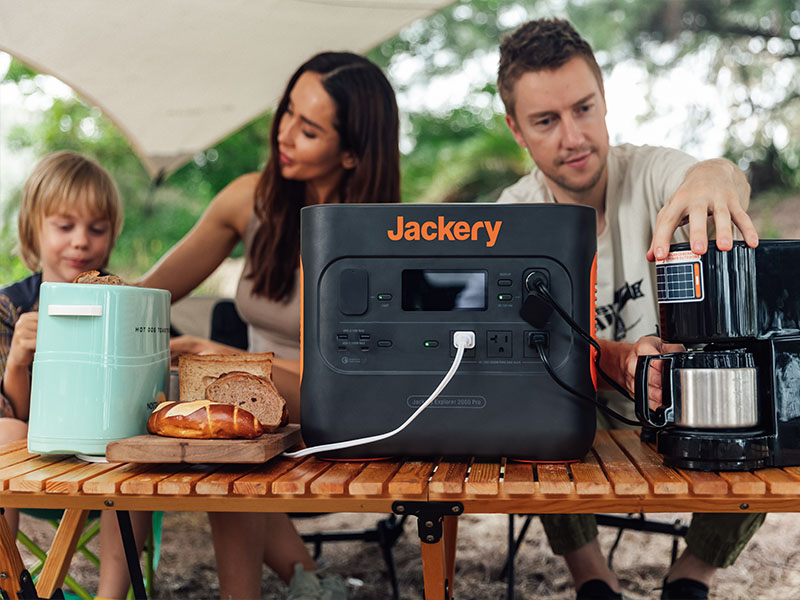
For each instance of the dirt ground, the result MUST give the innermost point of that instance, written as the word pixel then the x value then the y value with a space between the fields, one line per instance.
pixel 768 569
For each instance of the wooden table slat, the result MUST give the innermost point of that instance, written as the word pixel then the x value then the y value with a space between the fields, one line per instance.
pixel 13 447
pixel 793 471
pixel 220 482
pixel 622 474
pixel 662 479
pixel 554 479
pixel 373 480
pixel 589 478
pixel 780 482
pixel 35 481
pixel 31 465
pixel 518 479
pixel 183 482
pixel 71 481
pixel 411 479
pixel 449 477
pixel 745 483
pixel 335 481
pixel 146 482
pixel 705 484
pixel 258 482
pixel 483 479
pixel 298 480
pixel 109 483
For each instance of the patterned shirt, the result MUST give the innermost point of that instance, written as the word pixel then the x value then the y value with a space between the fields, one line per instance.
pixel 16 299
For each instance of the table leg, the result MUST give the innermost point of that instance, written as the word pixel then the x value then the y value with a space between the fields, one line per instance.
pixel 61 551
pixel 437 525
pixel 11 566
pixel 450 534
pixel 433 571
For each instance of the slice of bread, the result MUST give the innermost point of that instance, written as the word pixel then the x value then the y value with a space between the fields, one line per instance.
pixel 197 371
pixel 96 278
pixel 253 394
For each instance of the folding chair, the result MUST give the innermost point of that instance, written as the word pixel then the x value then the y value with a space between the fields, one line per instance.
pixel 637 523
pixel 152 548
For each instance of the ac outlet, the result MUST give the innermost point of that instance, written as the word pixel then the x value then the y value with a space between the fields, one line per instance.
pixel 468 352
pixel 498 344
pixel 530 350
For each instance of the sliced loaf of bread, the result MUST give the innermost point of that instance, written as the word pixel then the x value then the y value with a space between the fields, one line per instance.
pixel 253 394
pixel 197 371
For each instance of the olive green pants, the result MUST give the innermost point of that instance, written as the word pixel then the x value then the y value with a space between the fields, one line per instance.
pixel 716 538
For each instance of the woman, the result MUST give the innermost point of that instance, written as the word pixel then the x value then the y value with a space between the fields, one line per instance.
pixel 334 139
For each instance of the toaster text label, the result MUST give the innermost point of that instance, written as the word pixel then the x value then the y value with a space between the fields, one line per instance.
pixel 441 230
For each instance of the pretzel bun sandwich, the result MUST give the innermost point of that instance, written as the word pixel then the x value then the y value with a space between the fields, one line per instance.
pixel 203 419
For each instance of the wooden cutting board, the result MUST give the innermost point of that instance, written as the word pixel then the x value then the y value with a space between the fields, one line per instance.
pixel 160 449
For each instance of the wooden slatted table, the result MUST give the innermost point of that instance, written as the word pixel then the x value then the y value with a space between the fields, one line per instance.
pixel 619 475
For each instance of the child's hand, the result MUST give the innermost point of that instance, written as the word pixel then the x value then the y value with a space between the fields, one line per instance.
pixel 23 342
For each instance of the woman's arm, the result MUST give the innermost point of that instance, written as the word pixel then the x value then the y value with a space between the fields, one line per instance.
pixel 209 242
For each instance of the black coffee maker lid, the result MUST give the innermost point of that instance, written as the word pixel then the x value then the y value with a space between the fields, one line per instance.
pixel 717 359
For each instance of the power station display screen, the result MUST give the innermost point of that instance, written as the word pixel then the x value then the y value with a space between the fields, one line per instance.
pixel 444 290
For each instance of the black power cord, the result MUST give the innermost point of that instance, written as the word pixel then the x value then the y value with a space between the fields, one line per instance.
pixel 544 294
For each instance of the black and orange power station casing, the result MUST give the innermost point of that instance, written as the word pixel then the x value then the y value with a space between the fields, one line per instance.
pixel 384 289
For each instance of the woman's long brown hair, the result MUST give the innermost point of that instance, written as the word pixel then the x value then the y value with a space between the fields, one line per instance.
pixel 367 123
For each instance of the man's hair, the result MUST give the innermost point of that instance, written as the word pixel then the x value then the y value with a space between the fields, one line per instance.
pixel 543 44
pixel 65 181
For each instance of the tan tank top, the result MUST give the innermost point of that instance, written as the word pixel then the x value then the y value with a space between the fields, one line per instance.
pixel 271 326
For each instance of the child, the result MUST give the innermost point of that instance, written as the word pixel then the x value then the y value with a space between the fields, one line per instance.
pixel 69 218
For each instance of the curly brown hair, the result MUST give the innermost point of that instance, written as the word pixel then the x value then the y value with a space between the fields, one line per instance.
pixel 542 44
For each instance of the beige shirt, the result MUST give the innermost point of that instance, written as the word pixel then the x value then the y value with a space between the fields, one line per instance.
pixel 641 179
pixel 271 326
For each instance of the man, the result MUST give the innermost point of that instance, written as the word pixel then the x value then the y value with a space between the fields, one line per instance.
pixel 553 92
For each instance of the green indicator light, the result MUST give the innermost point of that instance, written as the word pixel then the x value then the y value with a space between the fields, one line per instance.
pixel 427 344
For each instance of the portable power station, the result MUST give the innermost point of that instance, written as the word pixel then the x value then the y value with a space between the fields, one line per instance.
pixel 385 287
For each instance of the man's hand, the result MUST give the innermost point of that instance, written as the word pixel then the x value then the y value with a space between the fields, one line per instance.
pixel 715 188
pixel 648 346
pixel 23 342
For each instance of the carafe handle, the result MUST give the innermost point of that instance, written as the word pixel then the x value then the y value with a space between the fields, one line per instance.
pixel 642 396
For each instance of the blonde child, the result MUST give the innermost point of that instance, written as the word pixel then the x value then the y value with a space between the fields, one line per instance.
pixel 69 218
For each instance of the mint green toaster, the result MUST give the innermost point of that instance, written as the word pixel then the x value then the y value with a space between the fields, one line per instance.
pixel 100 367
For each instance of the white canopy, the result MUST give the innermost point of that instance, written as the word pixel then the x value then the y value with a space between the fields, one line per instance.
pixel 177 76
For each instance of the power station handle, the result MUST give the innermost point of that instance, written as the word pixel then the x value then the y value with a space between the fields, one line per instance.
pixel 641 387
pixel 75 310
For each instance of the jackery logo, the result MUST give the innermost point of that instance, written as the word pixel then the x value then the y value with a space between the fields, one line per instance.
pixel 441 230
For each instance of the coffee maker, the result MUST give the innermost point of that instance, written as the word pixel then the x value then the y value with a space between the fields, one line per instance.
pixel 732 400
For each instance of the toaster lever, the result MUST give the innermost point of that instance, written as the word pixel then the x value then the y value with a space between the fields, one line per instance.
pixel 77 310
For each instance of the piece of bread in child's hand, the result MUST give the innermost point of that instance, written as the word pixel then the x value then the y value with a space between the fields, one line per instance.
pixel 198 371
pixel 253 393
pixel 96 278
pixel 203 420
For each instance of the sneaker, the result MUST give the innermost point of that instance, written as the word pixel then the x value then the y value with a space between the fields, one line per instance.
pixel 597 589
pixel 311 585
pixel 684 589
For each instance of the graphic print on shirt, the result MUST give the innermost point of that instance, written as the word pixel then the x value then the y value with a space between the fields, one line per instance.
pixel 610 315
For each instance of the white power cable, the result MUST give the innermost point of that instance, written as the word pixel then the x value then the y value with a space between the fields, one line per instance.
pixel 461 340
